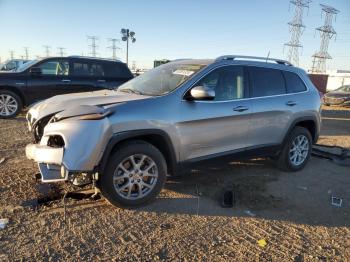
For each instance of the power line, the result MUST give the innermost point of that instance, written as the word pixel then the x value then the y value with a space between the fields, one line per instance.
pixel 296 28
pixel 326 32
pixel 47 50
pixel 113 47
pixel 93 45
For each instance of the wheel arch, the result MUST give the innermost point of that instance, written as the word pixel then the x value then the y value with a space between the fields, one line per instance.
pixel 16 91
pixel 158 138
pixel 309 122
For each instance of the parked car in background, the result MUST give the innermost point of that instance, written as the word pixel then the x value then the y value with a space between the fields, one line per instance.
pixel 38 80
pixel 173 116
pixel 13 64
pixel 340 96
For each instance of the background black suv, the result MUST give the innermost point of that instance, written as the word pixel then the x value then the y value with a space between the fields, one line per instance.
pixel 38 80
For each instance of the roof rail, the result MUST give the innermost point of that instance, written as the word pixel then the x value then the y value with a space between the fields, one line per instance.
pixel 93 57
pixel 233 57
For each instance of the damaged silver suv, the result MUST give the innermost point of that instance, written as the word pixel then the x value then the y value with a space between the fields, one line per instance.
pixel 127 141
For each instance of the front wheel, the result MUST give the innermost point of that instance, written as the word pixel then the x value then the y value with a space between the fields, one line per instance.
pixel 10 104
pixel 297 150
pixel 134 175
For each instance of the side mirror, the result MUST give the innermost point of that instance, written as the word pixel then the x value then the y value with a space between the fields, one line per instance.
pixel 35 71
pixel 202 93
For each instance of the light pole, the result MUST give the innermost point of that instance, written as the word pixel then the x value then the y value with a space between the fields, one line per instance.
pixel 126 35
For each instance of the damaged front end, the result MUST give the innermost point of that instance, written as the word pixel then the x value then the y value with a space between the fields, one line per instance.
pixel 70 147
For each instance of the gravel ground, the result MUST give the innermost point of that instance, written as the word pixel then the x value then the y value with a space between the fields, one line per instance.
pixel 290 211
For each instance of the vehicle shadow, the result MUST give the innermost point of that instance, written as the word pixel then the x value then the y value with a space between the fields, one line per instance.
pixel 261 191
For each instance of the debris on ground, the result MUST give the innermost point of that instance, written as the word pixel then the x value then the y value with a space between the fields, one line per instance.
pixel 336 154
pixel 336 201
pixel 2 160
pixel 249 213
pixel 262 242
pixel 3 222
pixel 302 187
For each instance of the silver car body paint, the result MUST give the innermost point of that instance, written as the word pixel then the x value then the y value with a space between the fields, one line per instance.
pixel 196 128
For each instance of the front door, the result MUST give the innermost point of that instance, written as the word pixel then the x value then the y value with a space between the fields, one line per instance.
pixel 209 128
pixel 54 80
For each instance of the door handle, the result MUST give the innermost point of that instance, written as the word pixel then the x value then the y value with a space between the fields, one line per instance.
pixel 66 80
pixel 240 108
pixel 291 103
pixel 101 81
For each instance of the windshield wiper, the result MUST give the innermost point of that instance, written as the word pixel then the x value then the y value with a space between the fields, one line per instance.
pixel 129 90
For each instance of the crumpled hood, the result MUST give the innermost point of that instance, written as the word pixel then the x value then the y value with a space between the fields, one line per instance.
pixel 63 102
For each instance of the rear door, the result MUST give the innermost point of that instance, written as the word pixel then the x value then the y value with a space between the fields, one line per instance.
pixel 271 113
pixel 83 78
pixel 54 80
pixel 215 127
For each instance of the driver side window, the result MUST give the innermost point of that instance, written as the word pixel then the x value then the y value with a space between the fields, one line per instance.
pixel 228 82
pixel 58 68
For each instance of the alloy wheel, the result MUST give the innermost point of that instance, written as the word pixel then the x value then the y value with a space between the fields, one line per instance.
pixel 299 150
pixel 8 105
pixel 135 176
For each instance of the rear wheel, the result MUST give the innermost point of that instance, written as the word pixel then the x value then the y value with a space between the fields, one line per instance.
pixel 135 174
pixel 297 150
pixel 10 104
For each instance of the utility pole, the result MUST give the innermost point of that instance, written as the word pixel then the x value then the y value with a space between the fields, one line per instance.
pixel 61 51
pixel 93 45
pixel 26 52
pixel 296 29
pixel 113 47
pixel 47 50
pixel 126 35
pixel 326 32
pixel 12 54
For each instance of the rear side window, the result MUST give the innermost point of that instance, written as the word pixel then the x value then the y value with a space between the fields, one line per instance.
pixel 294 83
pixel 266 82
pixel 90 69
pixel 117 70
pixel 81 69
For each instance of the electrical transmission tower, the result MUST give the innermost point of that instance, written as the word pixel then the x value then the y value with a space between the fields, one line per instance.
pixel 93 45
pixel 61 51
pixel 26 52
pixel 296 28
pixel 114 47
pixel 12 54
pixel 326 32
pixel 47 50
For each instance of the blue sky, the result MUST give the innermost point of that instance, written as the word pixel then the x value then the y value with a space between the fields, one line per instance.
pixel 168 29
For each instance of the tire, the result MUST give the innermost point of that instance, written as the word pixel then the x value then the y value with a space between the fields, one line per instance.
pixel 287 160
pixel 119 169
pixel 10 104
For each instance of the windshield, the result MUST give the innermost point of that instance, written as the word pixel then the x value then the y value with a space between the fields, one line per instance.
pixel 161 80
pixel 343 89
pixel 26 65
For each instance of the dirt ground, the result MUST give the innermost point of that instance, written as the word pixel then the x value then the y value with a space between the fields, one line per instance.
pixel 292 212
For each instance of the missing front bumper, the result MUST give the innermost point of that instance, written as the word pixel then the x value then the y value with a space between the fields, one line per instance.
pixel 49 160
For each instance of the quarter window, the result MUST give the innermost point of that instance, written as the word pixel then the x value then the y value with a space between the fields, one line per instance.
pixel 227 82
pixel 294 83
pixel 266 82
pixel 58 68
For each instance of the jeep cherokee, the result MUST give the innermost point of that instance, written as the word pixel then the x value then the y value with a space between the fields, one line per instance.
pixel 180 113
